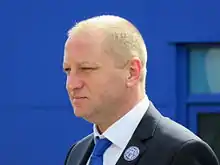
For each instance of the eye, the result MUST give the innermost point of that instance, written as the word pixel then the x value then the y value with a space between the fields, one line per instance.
pixel 67 70
pixel 86 68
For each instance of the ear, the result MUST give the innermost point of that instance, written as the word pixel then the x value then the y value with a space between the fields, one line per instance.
pixel 134 71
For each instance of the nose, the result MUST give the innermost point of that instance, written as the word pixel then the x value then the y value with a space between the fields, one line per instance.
pixel 73 83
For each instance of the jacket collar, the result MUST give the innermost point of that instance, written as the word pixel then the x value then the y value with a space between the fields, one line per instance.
pixel 144 132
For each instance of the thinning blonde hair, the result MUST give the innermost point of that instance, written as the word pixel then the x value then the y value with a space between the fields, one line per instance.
pixel 121 38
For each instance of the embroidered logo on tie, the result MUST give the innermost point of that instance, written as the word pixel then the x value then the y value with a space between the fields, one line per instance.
pixel 131 153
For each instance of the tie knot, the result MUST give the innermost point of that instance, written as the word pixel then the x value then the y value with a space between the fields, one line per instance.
pixel 100 146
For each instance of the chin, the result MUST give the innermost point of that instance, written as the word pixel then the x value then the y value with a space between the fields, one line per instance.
pixel 86 116
pixel 80 113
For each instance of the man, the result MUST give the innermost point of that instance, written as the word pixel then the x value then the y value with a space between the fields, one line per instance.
pixel 105 62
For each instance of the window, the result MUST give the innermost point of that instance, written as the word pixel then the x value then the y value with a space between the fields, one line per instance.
pixel 209 129
pixel 198 85
pixel 204 70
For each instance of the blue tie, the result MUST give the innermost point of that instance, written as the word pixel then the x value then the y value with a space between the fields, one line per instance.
pixel 98 151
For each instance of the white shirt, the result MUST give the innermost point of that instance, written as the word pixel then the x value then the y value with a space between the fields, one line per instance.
pixel 121 132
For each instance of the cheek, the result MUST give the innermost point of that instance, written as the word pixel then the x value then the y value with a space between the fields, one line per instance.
pixel 114 85
pixel 105 84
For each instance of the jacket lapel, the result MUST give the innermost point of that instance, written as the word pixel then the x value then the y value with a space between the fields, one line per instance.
pixel 84 151
pixel 137 146
pixel 87 151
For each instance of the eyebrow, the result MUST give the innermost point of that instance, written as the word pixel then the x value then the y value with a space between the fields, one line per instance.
pixel 83 63
pixel 88 63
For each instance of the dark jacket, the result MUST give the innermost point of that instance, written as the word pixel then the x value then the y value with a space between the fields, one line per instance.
pixel 161 142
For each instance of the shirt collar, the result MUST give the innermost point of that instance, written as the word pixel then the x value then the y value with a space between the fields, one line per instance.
pixel 128 123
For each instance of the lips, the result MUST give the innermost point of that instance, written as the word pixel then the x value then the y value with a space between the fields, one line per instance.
pixel 77 101
pixel 75 98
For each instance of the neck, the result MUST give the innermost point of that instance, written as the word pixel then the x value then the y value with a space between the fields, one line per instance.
pixel 118 113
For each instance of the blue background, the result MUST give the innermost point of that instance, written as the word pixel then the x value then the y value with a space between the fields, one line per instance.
pixel 36 119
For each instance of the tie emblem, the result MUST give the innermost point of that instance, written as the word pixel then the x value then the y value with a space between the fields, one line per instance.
pixel 131 153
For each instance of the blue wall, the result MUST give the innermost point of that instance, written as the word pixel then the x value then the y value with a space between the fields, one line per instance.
pixel 36 120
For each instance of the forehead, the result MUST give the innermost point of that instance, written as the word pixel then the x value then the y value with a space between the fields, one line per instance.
pixel 82 48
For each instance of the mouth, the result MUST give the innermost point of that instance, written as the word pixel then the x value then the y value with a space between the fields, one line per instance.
pixel 78 101
pixel 74 99
pixel 79 97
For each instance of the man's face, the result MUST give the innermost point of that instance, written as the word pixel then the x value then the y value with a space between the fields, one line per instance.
pixel 95 86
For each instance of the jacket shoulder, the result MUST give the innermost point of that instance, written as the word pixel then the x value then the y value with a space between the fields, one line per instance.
pixel 171 130
pixel 195 152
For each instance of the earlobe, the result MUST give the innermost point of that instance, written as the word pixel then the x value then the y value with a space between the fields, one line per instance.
pixel 134 72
